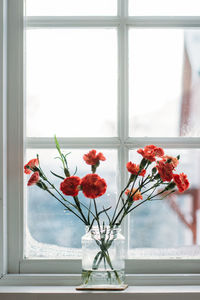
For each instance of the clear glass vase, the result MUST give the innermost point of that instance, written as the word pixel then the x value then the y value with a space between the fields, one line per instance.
pixel 103 257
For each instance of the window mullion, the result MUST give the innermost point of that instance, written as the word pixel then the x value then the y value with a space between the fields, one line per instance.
pixel 15 134
pixel 123 118
pixel 3 132
pixel 123 75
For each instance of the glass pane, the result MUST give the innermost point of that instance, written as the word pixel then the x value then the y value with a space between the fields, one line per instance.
pixel 164 82
pixel 170 227
pixel 51 232
pixel 164 7
pixel 71 7
pixel 71 82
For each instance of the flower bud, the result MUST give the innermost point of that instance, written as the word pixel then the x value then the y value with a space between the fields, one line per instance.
pixel 157 176
pixel 66 171
pixel 132 177
pixel 94 167
pixel 41 185
pixel 170 186
pixel 154 170
pixel 143 163
pixel 169 161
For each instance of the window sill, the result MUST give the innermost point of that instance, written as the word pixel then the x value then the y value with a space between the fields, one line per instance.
pixel 69 292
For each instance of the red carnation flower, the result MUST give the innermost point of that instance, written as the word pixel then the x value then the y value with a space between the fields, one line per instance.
pixel 133 194
pixel 32 163
pixel 91 158
pixel 143 172
pixel 35 177
pixel 165 170
pixel 70 186
pixel 150 152
pixel 172 160
pixel 134 169
pixel 93 186
pixel 159 152
pixel 181 181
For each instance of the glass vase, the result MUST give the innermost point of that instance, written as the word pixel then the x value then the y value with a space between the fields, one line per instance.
pixel 103 257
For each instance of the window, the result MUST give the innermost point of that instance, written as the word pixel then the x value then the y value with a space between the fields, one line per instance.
pixel 115 77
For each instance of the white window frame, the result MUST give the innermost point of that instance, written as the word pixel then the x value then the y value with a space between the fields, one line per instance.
pixel 11 128
pixel 3 135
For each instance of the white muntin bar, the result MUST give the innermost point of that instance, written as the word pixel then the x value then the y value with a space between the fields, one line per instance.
pixel 168 142
pixel 183 22
pixel 71 21
pixel 143 21
pixel 81 143
pixel 114 142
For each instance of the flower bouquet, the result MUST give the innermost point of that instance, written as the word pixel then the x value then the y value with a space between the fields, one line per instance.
pixel 103 256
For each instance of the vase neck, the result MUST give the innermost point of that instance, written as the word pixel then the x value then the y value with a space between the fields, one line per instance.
pixel 103 231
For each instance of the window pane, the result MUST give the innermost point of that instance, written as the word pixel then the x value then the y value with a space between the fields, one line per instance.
pixel 51 232
pixel 164 82
pixel 171 227
pixel 71 82
pixel 164 7
pixel 71 7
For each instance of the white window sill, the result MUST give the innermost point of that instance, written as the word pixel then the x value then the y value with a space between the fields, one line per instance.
pixel 59 286
pixel 69 292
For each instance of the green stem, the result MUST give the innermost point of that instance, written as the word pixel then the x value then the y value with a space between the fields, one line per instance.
pixel 65 206
pixel 128 199
pixel 148 199
pixel 80 210
pixel 129 182
pixel 155 185
pixel 97 219
pixel 77 206
pixel 105 255
pixel 133 209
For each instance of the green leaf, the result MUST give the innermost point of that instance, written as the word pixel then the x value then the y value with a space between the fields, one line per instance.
pixel 104 210
pixel 91 224
pixel 95 259
pixel 107 215
pixel 89 211
pixel 109 275
pixel 57 145
pixel 62 157
pixel 75 171
pixel 57 175
pixel 57 157
pixel 67 154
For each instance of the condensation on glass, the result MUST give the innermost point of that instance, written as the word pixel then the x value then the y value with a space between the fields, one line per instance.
pixel 50 230
pixel 164 82
pixel 71 7
pixel 164 7
pixel 169 227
